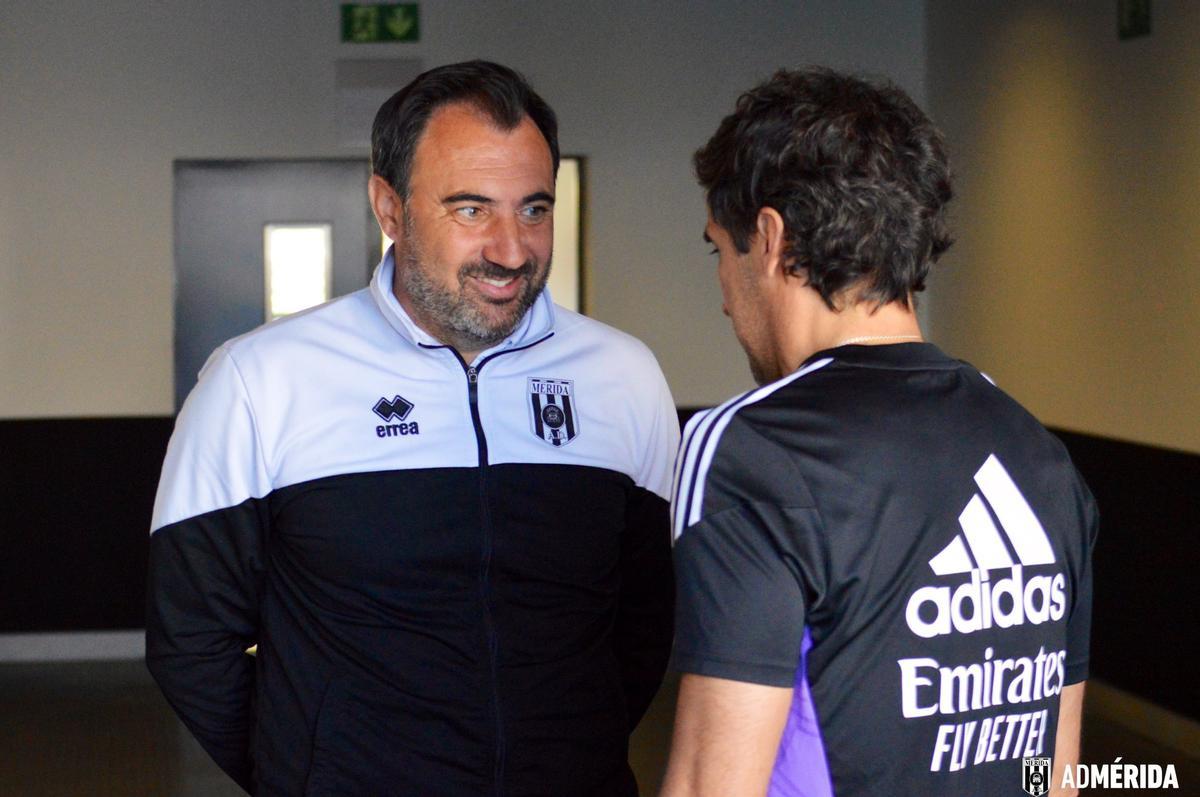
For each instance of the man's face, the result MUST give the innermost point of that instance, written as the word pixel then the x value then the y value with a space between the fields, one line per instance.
pixel 478 228
pixel 744 303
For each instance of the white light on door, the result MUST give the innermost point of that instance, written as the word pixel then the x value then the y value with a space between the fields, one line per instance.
pixel 298 260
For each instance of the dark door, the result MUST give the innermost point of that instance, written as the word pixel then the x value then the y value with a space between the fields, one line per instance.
pixel 221 210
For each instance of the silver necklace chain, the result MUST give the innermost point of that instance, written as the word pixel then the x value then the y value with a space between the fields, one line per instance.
pixel 866 338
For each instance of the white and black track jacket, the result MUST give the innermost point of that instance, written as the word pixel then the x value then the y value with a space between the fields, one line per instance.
pixel 458 577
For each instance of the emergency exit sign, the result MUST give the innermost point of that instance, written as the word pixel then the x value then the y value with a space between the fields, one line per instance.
pixel 369 23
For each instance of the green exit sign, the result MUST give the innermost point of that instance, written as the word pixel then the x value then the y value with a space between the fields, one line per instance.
pixel 368 23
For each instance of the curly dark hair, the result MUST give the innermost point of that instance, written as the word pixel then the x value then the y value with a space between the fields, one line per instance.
pixel 499 92
pixel 857 171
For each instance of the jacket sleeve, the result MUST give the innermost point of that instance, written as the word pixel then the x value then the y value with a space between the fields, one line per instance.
pixel 645 614
pixel 206 564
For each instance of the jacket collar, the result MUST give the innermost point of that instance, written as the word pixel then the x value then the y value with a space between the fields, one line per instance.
pixel 537 323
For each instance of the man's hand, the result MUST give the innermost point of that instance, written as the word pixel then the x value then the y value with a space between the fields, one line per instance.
pixel 726 738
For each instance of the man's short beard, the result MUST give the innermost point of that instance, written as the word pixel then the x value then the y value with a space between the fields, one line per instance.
pixel 457 316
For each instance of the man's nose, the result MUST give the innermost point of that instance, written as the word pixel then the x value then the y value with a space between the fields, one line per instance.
pixel 506 246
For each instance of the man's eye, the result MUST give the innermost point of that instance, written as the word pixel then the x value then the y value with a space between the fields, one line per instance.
pixel 535 212
pixel 469 212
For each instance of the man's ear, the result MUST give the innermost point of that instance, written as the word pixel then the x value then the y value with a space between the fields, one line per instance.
pixel 387 206
pixel 770 241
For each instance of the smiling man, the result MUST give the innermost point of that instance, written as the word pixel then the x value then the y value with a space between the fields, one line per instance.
pixel 883 560
pixel 474 247
pixel 429 503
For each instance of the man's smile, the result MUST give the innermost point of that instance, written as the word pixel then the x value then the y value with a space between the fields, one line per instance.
pixel 498 289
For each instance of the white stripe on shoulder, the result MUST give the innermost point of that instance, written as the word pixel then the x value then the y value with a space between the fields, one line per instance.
pixel 681 463
pixel 700 444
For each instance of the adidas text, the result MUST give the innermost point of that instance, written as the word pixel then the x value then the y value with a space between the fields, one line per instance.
pixel 979 604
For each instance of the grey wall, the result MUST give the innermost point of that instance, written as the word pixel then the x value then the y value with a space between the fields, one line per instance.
pixel 1075 281
pixel 98 99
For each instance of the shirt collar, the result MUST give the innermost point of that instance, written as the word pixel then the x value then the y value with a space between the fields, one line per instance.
pixel 920 354
pixel 536 324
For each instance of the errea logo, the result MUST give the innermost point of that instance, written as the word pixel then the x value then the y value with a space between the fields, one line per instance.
pixel 398 410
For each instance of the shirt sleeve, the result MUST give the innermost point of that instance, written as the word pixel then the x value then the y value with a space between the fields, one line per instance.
pixel 746 569
pixel 206 565
pixel 1079 622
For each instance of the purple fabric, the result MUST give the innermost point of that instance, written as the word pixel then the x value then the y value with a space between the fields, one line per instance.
pixel 801 769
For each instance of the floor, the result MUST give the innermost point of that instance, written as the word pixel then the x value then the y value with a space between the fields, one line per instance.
pixel 102 728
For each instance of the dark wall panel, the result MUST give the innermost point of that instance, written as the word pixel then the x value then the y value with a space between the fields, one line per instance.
pixel 77 495
pixel 75 506
pixel 1146 568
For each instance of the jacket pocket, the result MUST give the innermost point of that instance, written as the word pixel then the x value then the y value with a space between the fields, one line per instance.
pixel 331 717
pixel 374 741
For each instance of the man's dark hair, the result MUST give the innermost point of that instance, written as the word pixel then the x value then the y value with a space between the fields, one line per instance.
pixel 857 171
pixel 496 91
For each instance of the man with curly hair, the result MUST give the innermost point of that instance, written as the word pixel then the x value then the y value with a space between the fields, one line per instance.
pixel 882 560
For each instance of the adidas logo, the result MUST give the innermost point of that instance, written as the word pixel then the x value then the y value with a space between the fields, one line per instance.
pixel 981 603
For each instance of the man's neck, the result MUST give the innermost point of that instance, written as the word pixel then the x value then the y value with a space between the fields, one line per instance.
pixel 867 324
pixel 860 323
pixel 467 356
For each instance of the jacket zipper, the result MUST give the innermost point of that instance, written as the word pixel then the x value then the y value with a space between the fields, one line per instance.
pixel 485 584
pixel 485 563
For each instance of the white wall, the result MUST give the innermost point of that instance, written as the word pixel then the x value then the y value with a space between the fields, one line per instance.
pixel 1075 281
pixel 98 99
